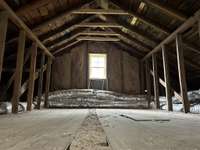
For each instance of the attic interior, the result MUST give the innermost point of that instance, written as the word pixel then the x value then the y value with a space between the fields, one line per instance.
pixel 99 74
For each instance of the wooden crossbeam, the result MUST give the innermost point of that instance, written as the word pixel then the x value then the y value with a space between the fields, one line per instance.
pixel 31 84
pixel 98 25
pixel 17 21
pixel 3 29
pixel 97 38
pixel 167 78
pixel 18 72
pixel 188 23
pixel 166 9
pixel 101 12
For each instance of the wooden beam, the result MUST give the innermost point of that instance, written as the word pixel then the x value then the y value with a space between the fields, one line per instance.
pixel 142 83
pixel 66 46
pixel 167 78
pixel 187 24
pixel 18 72
pixel 40 81
pixel 166 9
pixel 101 11
pixel 98 25
pixel 98 38
pixel 181 72
pixel 155 81
pixel 3 29
pixel 60 16
pixel 17 21
pixel 148 82
pixel 31 82
pixel 47 85
pixel 145 20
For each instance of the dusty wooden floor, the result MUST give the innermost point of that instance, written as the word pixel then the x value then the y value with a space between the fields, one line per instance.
pixel 124 130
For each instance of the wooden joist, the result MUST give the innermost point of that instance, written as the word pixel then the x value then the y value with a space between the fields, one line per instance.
pixel 17 21
pixel 167 78
pixel 188 23
pixel 18 72
pixel 181 72
pixel 48 79
pixel 40 81
pixel 3 29
pixel 155 81
pixel 31 84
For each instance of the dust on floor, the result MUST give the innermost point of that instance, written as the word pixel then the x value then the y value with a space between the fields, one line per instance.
pixel 91 135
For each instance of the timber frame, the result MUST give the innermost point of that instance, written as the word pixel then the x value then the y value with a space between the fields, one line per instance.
pixel 94 22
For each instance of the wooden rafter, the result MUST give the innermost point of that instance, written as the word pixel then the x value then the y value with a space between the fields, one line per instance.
pixel 16 20
pixel 190 22
pixel 166 9
pixel 101 11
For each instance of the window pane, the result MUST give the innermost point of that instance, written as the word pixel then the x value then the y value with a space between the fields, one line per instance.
pixel 97 66
pixel 97 73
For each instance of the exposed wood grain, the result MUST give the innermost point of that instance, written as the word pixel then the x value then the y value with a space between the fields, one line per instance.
pixel 181 72
pixel 31 82
pixel 18 72
pixel 3 29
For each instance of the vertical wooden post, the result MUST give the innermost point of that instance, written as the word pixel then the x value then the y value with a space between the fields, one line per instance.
pixel 18 71
pixel 148 82
pixel 141 78
pixel 155 81
pixel 167 78
pixel 31 83
pixel 48 79
pixel 181 72
pixel 3 31
pixel 40 81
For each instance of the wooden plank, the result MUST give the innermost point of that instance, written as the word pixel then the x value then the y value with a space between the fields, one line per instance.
pixel 18 72
pixel 98 25
pixel 98 38
pixel 48 79
pixel 101 11
pixel 155 81
pixel 31 84
pixel 145 20
pixel 142 91
pixel 40 81
pixel 166 9
pixel 148 82
pixel 187 24
pixel 167 78
pixel 17 21
pixel 181 72
pixel 3 29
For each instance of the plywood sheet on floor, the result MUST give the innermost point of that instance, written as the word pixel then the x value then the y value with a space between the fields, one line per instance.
pixel 40 130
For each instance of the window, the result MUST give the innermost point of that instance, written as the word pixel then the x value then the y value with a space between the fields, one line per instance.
pixel 97 66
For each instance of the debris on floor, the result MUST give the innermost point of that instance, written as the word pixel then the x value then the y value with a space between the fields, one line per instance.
pixel 91 135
